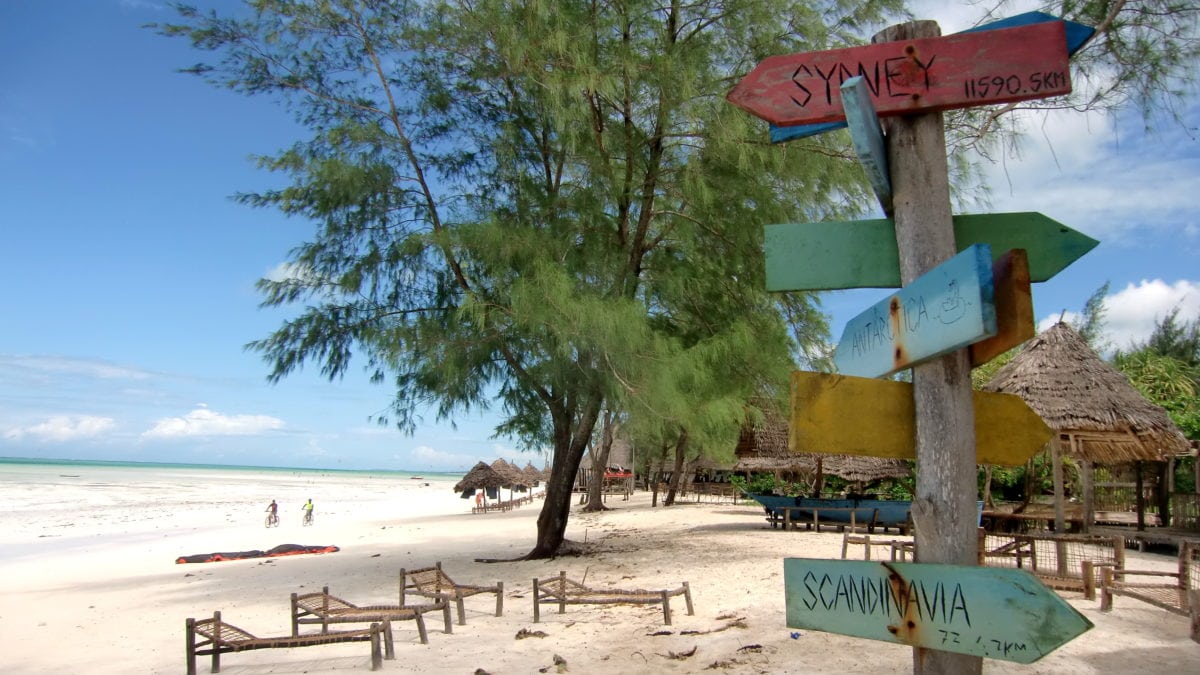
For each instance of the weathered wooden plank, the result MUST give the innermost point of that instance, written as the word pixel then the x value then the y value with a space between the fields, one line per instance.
pixel 1014 308
pixel 947 308
pixel 1077 35
pixel 846 415
pixel 910 76
pixel 867 138
pixel 863 253
pixel 998 613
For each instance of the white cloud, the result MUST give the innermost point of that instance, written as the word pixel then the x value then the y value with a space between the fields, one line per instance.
pixel 1131 313
pixel 205 422
pixel 62 365
pixel 437 458
pixel 63 428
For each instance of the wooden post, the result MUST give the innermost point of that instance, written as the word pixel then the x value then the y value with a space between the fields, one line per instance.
pixel 1087 474
pixel 1056 468
pixel 1194 610
pixel 1140 497
pixel 944 508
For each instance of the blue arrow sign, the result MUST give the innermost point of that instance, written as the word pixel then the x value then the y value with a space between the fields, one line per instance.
pixel 947 308
pixel 1077 35
pixel 868 139
pixel 998 613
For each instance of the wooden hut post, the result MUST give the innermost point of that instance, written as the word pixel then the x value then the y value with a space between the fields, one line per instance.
pixel 1139 486
pixel 1087 476
pixel 1060 516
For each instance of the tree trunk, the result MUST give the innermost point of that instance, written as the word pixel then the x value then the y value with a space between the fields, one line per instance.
pixel 656 476
pixel 987 486
pixel 595 500
pixel 677 473
pixel 570 442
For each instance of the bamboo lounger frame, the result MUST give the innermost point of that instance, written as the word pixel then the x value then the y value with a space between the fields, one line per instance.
pixel 562 591
pixel 219 638
pixel 433 582
pixel 324 609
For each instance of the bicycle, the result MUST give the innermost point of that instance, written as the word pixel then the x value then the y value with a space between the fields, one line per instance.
pixel 308 518
pixel 272 520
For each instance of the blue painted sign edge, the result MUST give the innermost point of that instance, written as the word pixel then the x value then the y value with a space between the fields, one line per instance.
pixel 867 138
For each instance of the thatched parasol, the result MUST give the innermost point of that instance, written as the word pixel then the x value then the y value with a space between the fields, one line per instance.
pixel 1079 395
pixel 532 475
pixel 512 475
pixel 481 476
pixel 1098 415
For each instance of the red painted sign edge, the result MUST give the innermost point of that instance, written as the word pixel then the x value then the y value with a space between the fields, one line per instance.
pixel 910 76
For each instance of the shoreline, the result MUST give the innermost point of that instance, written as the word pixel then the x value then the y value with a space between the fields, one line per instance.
pixel 106 596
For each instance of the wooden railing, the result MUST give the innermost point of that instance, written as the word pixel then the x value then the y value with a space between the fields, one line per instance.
pixel 1185 511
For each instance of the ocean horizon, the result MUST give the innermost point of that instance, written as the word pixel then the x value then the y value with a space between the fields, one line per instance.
pixel 128 464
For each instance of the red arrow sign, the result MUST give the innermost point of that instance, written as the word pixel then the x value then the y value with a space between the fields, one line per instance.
pixel 910 76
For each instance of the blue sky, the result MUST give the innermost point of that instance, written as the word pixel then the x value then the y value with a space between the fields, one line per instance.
pixel 128 273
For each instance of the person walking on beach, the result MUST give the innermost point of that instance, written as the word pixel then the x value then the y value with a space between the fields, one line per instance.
pixel 308 511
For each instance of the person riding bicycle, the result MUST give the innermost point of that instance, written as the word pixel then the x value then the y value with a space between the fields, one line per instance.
pixel 273 508
pixel 308 509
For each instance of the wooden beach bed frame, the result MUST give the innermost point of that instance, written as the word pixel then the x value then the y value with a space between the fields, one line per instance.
pixel 433 582
pixel 562 591
pixel 1172 591
pixel 324 609
pixel 218 637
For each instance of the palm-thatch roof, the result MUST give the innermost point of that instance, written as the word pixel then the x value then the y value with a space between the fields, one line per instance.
pixel 531 474
pixel 1087 400
pixel 765 448
pixel 512 476
pixel 481 476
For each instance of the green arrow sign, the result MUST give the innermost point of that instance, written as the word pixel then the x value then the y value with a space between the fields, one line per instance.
pixel 998 613
pixel 863 253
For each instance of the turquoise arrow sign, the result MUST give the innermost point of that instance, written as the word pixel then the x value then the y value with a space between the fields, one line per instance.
pixel 863 253
pixel 867 138
pixel 998 613
pixel 947 308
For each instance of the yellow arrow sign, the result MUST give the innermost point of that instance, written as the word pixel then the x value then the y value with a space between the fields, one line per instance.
pixel 844 415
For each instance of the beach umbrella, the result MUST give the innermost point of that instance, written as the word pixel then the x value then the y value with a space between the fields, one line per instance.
pixel 480 477
pixel 531 474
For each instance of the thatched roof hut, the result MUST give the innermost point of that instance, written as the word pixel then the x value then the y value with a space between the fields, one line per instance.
pixel 1098 415
pixel 1104 419
pixel 481 476
pixel 764 448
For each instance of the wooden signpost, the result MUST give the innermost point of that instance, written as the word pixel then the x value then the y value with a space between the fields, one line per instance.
pixel 950 307
pixel 998 613
pixel 908 74
pixel 847 415
pixel 911 76
pixel 864 253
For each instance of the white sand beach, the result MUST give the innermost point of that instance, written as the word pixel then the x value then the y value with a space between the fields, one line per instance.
pixel 89 583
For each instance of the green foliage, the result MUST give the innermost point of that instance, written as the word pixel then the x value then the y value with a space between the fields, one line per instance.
pixel 1166 382
pixel 1090 324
